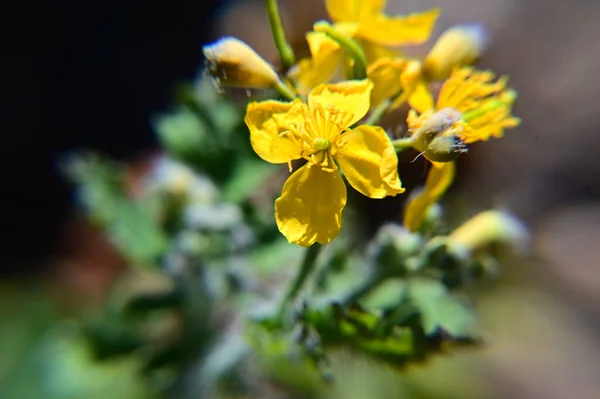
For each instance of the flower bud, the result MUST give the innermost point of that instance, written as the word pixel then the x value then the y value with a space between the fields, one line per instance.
pixel 235 64
pixel 491 227
pixel 458 46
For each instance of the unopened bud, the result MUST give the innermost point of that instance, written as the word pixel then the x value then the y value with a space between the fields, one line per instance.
pixel 437 135
pixel 458 46
pixel 235 64
pixel 491 227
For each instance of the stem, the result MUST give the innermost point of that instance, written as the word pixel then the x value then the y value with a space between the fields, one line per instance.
pixel 286 53
pixel 285 91
pixel 363 289
pixel 307 266
pixel 379 111
pixel 354 50
pixel 387 105
pixel 402 144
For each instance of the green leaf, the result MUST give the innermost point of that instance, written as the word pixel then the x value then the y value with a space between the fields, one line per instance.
pixel 249 173
pixel 440 309
pixel 129 226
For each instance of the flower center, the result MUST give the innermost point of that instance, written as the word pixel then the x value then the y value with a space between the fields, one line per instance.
pixel 320 144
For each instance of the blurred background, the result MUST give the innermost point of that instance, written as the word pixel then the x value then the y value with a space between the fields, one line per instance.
pixel 90 76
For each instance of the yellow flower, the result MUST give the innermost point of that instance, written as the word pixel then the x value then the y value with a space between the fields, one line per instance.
pixel 325 62
pixel 470 107
pixel 401 80
pixel 404 79
pixel 310 207
pixel 236 64
pixel 366 20
pixel 375 32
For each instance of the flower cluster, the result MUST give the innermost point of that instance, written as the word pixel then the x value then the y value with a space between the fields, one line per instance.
pixel 355 70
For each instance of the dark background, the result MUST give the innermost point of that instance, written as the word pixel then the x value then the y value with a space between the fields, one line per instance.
pixel 81 75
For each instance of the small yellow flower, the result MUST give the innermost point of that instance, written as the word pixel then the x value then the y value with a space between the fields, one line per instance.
pixel 399 79
pixel 470 107
pixel 310 207
pixel 364 21
pixel 322 66
pixel 236 64
pixel 404 79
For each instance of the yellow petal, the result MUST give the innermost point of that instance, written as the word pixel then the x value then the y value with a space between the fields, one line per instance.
pixel 421 98
pixel 385 75
pixel 374 52
pixel 320 44
pixel 346 28
pixel 491 116
pixel 310 207
pixel 322 67
pixel 415 88
pixel 351 97
pixel 367 157
pixel 401 30
pixel 438 180
pixel 268 121
pixel 309 73
pixel 353 10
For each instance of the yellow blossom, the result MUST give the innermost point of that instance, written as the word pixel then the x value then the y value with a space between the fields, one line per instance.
pixel 310 207
pixel 236 64
pixel 365 22
pixel 471 107
pixel 401 80
pixel 325 62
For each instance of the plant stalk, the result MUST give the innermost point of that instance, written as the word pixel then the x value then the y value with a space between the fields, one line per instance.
pixel 308 264
pixel 286 53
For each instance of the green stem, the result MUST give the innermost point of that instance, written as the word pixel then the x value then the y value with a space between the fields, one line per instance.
pixel 363 289
pixel 306 268
pixel 402 144
pixel 352 48
pixel 387 105
pixel 378 112
pixel 285 91
pixel 286 53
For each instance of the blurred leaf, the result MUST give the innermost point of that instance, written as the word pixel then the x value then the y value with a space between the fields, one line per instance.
pixel 440 309
pixel 182 133
pixel 249 173
pixel 67 370
pixel 385 295
pixel 276 255
pixel 128 225
pixel 44 357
